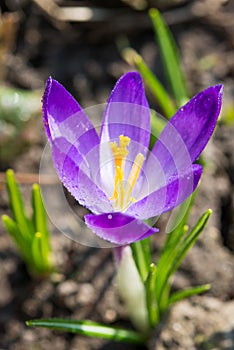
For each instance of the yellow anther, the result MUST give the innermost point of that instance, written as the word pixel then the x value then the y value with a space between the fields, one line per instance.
pixel 124 141
pixel 121 194
pixel 119 153
pixel 133 176
pixel 113 146
pixel 121 150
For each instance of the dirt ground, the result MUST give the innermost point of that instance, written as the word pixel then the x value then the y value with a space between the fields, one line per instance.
pixel 86 58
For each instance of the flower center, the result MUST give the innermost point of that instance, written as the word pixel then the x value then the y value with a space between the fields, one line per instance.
pixel 122 192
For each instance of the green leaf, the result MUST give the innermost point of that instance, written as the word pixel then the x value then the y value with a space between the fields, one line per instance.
pixel 167 258
pixel 152 305
pixel 15 233
pixel 40 257
pixel 180 215
pixel 17 205
pixel 89 328
pixel 190 239
pixel 163 99
pixel 186 293
pixel 39 214
pixel 40 219
pixel 174 238
pixel 161 95
pixel 30 236
pixel 142 256
pixel 172 257
pixel 170 57
pixel 180 228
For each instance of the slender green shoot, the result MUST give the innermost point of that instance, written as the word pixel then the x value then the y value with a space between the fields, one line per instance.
pixel 163 99
pixel 188 292
pixel 90 329
pixel 30 235
pixel 142 256
pixel 171 259
pixel 170 57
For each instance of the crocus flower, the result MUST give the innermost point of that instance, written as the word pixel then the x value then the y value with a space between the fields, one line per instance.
pixel 113 174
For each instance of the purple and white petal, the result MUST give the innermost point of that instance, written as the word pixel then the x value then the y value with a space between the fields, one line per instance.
pixel 176 190
pixel 81 154
pixel 127 112
pixel 64 117
pixel 153 177
pixel 118 228
pixel 82 188
pixel 185 136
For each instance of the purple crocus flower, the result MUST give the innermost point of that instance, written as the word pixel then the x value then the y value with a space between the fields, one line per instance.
pixel 113 174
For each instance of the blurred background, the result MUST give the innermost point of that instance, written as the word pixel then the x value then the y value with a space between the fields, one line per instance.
pixel 82 45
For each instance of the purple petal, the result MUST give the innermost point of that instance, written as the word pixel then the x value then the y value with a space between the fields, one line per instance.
pixel 177 189
pixel 118 228
pixel 63 117
pixel 188 132
pixel 127 112
pixel 83 189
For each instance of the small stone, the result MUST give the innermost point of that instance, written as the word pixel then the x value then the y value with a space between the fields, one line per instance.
pixel 110 315
pixel 85 294
pixel 67 288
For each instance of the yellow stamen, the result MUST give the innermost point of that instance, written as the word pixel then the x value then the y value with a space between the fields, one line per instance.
pixel 119 153
pixel 121 195
pixel 133 176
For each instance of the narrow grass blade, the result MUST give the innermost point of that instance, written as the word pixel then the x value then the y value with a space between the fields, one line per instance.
pixel 15 233
pixel 170 57
pixel 187 243
pixel 172 241
pixel 90 329
pixel 142 256
pixel 167 258
pixel 180 215
pixel 190 239
pixel 40 219
pixel 179 227
pixel 39 255
pixel 152 306
pixel 186 293
pixel 17 206
pixel 163 99
pixel 30 234
pixel 39 214
pixel 174 238
pixel 172 258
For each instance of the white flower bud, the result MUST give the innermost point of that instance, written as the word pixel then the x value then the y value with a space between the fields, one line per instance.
pixel 132 291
